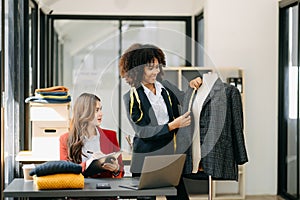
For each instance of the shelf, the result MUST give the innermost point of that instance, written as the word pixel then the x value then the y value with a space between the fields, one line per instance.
pixel 29 157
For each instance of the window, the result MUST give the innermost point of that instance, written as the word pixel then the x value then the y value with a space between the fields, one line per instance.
pixel 289 150
pixel 199 44
pixel 92 46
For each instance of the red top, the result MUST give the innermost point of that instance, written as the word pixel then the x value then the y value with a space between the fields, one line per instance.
pixel 108 144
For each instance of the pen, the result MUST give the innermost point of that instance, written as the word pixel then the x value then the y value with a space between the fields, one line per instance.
pixel 89 152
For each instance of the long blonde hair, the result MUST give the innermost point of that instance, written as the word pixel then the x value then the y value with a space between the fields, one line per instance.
pixel 83 113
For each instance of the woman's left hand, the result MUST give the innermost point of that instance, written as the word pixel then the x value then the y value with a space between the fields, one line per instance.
pixel 196 83
pixel 113 166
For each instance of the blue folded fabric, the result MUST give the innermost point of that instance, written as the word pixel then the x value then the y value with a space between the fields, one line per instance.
pixel 48 100
pixel 56 167
pixel 53 93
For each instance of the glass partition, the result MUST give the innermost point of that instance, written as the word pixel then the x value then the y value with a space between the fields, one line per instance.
pixel 292 158
pixel 90 62
pixel 199 44
pixel 91 52
pixel 289 150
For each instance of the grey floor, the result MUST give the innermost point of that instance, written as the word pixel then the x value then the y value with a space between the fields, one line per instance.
pixel 254 197
pixel 265 197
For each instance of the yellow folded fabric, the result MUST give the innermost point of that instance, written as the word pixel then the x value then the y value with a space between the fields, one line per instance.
pixel 52 89
pixel 59 181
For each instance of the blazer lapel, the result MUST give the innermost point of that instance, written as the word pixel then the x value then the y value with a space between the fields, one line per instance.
pixel 146 105
pixel 103 141
pixel 189 99
pixel 216 87
pixel 168 103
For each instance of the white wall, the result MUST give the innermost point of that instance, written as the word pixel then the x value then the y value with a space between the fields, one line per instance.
pixel 245 34
pixel 237 33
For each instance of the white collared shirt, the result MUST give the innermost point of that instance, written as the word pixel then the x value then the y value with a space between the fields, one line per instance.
pixel 158 104
pixel 91 144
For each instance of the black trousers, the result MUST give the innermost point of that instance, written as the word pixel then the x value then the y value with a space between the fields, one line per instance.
pixel 181 192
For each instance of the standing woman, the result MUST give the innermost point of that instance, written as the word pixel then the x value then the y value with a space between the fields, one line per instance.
pixel 86 136
pixel 152 106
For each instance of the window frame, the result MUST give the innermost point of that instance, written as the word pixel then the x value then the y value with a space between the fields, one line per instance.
pixel 50 37
pixel 283 101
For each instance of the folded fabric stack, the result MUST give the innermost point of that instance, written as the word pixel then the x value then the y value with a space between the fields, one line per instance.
pixel 55 94
pixel 58 175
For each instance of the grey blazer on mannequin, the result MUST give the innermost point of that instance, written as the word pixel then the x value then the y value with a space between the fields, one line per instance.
pixel 221 133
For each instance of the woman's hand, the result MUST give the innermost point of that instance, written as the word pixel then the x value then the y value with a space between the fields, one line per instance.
pixel 196 83
pixel 181 121
pixel 112 166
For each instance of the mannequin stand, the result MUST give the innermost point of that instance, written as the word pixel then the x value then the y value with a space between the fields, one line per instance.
pixel 210 189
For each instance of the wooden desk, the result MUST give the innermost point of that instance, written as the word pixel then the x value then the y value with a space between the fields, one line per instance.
pixel 19 188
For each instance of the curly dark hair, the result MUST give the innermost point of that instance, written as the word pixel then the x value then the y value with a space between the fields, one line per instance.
pixel 138 56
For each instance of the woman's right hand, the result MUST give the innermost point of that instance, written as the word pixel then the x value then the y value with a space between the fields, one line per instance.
pixel 196 83
pixel 181 121
pixel 112 165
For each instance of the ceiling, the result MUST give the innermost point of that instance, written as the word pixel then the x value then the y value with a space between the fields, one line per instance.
pixel 119 7
pixel 82 34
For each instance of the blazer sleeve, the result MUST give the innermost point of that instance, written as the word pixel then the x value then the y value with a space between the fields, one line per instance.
pixel 150 132
pixel 63 149
pixel 120 159
pixel 178 93
pixel 112 145
pixel 240 152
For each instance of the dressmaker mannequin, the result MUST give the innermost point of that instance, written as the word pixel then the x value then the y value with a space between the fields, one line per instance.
pixel 208 81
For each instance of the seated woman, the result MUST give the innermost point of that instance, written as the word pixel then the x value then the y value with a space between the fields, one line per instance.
pixel 86 137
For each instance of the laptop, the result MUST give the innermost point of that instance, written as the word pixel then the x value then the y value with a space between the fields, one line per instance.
pixel 159 171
